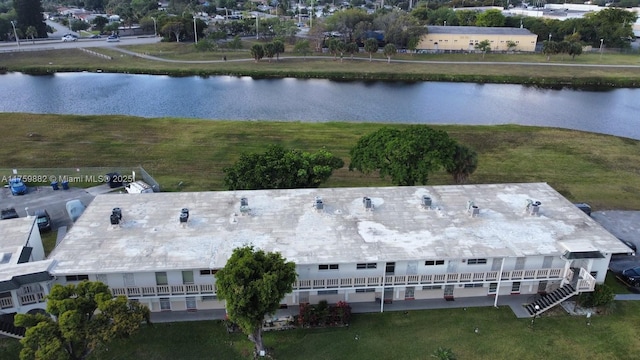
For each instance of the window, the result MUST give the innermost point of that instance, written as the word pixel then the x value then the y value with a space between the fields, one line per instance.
pixel 191 303
pixel 493 288
pixel 209 298
pixel 390 268
pixel 366 266
pixel 129 279
pixel 409 293
pixel 515 287
pixel 476 261
pixel 161 278
pixel 208 272
pixel 187 277
pixel 365 290
pixel 433 262
pixel 165 304
pixel 520 263
pixel 327 292
pixel 328 267
pixel 77 277
pixel 432 287
pixel 473 285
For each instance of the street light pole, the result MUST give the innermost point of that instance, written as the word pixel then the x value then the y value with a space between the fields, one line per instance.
pixel 13 23
pixel 257 27
pixel 549 37
pixel 195 30
pixel 155 27
pixel 601 42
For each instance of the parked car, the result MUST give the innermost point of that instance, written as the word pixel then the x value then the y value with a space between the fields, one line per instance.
pixel 75 208
pixel 630 245
pixel 632 276
pixel 10 213
pixel 43 220
pixel 114 180
pixel 17 186
pixel 113 38
pixel 586 208
pixel 69 38
pixel 95 36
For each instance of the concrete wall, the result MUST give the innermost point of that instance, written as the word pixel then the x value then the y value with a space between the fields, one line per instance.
pixel 466 42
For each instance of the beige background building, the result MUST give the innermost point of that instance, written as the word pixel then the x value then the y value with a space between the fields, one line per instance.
pixel 464 38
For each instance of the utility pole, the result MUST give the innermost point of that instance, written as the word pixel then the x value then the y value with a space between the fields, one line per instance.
pixel 13 23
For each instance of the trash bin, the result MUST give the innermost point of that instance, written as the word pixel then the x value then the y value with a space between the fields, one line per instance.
pixel 54 185
pixel 65 185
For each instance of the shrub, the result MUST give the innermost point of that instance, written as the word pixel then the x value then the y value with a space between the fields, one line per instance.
pixel 601 296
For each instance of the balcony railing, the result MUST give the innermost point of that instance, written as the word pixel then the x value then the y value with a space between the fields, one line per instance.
pixel 586 282
pixel 6 303
pixel 164 290
pixel 429 279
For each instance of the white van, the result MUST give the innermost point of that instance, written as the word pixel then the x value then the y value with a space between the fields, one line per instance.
pixel 138 187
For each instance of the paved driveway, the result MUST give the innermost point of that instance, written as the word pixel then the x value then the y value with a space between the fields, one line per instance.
pixel 624 225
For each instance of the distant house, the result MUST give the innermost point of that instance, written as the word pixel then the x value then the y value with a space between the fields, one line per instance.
pixel 464 38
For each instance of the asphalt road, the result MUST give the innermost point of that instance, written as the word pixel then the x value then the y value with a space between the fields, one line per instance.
pixel 56 43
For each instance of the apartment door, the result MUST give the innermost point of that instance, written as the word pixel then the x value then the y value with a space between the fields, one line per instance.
pixel 448 292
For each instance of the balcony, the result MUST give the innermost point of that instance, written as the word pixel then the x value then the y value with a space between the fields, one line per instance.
pixel 164 290
pixel 431 279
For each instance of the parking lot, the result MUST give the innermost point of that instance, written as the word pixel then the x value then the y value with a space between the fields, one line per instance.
pixel 54 201
pixel 624 225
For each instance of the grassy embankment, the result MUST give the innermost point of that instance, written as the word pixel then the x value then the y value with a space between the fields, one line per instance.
pixel 292 66
pixel 599 169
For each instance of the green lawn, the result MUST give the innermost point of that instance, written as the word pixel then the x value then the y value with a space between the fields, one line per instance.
pixel 599 169
pixel 395 335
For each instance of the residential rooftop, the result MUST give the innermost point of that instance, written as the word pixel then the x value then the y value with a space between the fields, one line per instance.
pixel 398 226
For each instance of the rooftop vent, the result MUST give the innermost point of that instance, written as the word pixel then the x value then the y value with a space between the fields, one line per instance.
pixel 533 207
pixel 319 205
pixel 368 205
pixel 184 215
pixel 472 209
pixel 116 216
pixel 426 202
pixel 244 206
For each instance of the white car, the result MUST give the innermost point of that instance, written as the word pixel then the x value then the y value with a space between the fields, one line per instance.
pixel 113 38
pixel 69 38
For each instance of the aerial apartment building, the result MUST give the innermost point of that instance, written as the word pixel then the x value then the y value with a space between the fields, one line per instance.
pixel 377 245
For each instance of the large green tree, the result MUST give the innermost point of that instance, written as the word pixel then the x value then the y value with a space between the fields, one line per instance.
pixel 279 168
pixel 253 283
pixel 465 162
pixel 491 18
pixel 407 156
pixel 371 46
pixel 85 316
pixel 29 13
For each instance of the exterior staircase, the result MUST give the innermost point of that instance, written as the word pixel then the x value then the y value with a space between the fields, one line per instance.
pixel 8 329
pixel 551 299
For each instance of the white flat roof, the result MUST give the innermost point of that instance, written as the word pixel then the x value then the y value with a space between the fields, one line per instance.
pixel 14 235
pixel 151 238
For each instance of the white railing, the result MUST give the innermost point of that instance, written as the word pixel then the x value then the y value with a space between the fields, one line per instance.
pixel 428 279
pixel 164 290
pixel 586 282
pixel 6 303
pixel 31 298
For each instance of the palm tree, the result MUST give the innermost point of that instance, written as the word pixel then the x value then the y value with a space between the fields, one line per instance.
pixel 371 46
pixel 465 162
pixel 32 33
pixel 443 354
pixel 389 50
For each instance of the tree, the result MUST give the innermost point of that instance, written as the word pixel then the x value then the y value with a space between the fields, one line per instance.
pixel 511 45
pixel 269 50
pixel 371 46
pixel 85 316
pixel 490 18
pixel 484 46
pixel 100 22
pixel 332 45
pixel 549 48
pixel 351 48
pixel 174 27
pixel 253 283
pixel 575 48
pixel 302 47
pixel 257 52
pixel 443 354
pixel 30 13
pixel 465 162
pixel 279 48
pixel 279 168
pixel 389 50
pixel 31 33
pixel 407 156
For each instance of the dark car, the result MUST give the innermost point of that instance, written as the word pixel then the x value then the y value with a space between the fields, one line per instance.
pixel 586 208
pixel 632 276
pixel 95 36
pixel 43 220
pixel 9 214
pixel 114 180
